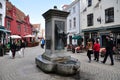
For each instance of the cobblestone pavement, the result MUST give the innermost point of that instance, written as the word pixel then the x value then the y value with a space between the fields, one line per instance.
pixel 24 68
pixel 97 70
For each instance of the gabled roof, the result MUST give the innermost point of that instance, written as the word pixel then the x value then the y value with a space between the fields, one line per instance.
pixel 20 16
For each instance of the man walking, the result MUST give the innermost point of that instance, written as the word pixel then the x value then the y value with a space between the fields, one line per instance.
pixel 109 50
pixel 42 43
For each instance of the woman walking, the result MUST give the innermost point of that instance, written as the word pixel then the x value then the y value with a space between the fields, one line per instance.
pixel 96 49
pixel 23 46
pixel 89 49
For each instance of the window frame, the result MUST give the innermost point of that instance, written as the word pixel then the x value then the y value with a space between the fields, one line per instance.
pixel 90 20
pixel 70 24
pixel 109 15
pixel 89 3
pixel 0 19
pixel 8 24
pixel 74 22
pixel 0 5
pixel 19 27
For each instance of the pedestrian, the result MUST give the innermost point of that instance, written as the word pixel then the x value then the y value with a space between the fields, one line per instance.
pixel 96 49
pixel 13 48
pixel 19 46
pixel 109 50
pixel 89 49
pixel 1 52
pixel 42 43
pixel 23 45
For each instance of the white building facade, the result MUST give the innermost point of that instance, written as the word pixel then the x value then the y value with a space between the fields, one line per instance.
pixel 2 11
pixel 73 22
pixel 100 18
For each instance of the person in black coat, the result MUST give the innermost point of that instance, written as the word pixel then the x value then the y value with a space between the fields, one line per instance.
pixel 13 48
pixel 1 52
pixel 109 50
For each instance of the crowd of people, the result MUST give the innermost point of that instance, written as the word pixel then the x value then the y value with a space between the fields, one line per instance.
pixel 17 45
pixel 94 48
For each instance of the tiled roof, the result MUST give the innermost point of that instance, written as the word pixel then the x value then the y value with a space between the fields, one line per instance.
pixel 20 16
pixel 8 9
pixel 36 25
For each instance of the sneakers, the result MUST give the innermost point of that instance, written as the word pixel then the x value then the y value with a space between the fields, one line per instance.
pixel 89 61
pixel 112 64
pixel 97 60
pixel 102 62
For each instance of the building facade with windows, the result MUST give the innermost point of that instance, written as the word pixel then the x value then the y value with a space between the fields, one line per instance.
pixel 100 18
pixel 73 21
pixel 3 31
pixel 2 11
pixel 16 21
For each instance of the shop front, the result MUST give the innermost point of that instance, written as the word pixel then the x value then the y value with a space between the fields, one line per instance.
pixel 3 39
pixel 90 34
pixel 115 33
pixel 101 32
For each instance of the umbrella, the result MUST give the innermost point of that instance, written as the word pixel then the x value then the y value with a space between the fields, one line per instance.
pixel 29 35
pixel 14 36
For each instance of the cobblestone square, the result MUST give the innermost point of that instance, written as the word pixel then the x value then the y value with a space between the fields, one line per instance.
pixel 24 68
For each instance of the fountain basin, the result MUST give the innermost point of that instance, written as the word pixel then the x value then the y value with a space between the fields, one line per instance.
pixel 62 67
pixel 68 67
pixel 45 65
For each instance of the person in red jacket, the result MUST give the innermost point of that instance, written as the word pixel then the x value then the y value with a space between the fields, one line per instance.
pixel 96 49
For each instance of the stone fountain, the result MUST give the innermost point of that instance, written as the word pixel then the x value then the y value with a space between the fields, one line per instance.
pixel 55 59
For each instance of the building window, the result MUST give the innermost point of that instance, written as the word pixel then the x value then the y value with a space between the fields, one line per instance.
pixel 89 3
pixel 70 24
pixel 0 5
pixel 0 19
pixel 109 15
pixel 74 22
pixel 70 39
pixel 25 28
pixel 19 28
pixel 8 25
pixel 74 9
pixel 69 12
pixel 90 20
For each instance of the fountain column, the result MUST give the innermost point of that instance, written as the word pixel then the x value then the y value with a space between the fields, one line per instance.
pixel 55 36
